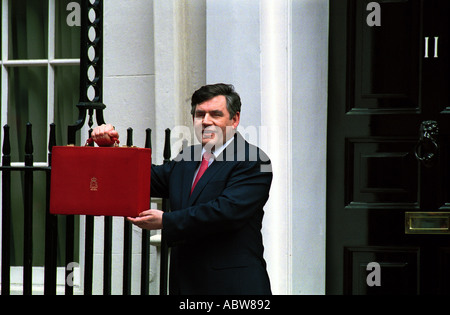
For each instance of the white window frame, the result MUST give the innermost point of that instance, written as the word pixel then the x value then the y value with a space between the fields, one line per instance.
pixel 51 62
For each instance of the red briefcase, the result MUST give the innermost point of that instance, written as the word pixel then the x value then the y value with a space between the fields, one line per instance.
pixel 100 181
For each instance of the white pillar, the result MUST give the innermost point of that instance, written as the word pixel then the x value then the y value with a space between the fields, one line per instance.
pixel 309 129
pixel 180 66
pixel 276 108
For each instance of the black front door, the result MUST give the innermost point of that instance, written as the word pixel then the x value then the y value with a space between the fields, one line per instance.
pixel 388 177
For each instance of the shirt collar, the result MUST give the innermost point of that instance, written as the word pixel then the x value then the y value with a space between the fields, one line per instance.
pixel 218 151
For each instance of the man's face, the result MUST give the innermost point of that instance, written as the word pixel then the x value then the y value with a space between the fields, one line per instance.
pixel 212 123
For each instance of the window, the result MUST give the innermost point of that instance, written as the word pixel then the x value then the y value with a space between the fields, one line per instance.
pixel 40 85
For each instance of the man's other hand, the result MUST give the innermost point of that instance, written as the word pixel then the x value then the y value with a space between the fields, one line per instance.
pixel 150 219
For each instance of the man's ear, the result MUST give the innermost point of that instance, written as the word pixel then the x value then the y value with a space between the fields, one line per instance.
pixel 236 119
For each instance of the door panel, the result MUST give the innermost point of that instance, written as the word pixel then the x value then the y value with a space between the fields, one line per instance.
pixel 385 83
pixel 374 51
pixel 399 265
pixel 382 173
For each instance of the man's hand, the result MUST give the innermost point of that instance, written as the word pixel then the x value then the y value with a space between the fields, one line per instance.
pixel 105 135
pixel 149 219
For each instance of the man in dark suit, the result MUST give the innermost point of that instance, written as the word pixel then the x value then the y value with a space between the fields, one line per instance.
pixel 214 227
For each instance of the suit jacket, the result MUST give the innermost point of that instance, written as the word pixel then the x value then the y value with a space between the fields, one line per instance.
pixel 215 233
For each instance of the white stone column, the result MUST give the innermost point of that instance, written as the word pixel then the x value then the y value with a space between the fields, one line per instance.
pixel 276 108
pixel 309 130
pixel 180 65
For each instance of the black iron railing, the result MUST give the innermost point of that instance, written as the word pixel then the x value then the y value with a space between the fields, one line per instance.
pixel 52 233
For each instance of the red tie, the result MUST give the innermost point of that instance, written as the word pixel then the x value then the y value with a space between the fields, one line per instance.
pixel 203 167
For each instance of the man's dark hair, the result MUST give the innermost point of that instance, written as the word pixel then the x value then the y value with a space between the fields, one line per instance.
pixel 207 92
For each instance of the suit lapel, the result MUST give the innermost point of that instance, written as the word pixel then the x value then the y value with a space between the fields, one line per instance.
pixel 236 151
pixel 207 176
pixel 188 177
pixel 213 169
pixel 191 163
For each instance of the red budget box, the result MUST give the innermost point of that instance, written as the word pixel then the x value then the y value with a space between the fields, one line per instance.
pixel 100 181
